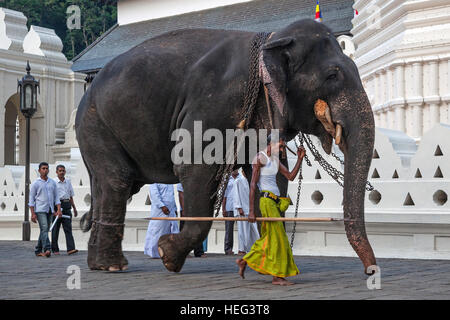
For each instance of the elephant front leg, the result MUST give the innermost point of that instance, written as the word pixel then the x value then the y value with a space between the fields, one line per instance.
pixel 174 248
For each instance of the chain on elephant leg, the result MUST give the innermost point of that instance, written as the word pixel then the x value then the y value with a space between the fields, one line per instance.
pixel 92 247
pixel 109 247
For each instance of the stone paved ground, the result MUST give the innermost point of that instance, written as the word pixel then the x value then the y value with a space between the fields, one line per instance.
pixel 24 276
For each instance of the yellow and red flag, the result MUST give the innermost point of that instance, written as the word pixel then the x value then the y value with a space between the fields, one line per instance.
pixel 318 13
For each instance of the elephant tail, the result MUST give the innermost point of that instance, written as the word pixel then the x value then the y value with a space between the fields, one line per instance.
pixel 86 219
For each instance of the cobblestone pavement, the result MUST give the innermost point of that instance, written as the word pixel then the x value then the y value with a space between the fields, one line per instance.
pixel 24 276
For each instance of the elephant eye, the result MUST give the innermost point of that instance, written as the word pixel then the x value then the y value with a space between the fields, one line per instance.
pixel 332 76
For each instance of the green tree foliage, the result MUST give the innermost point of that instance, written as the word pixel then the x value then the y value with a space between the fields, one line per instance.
pixel 96 18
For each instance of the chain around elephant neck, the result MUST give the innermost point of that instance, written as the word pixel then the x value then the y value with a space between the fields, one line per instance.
pixel 248 107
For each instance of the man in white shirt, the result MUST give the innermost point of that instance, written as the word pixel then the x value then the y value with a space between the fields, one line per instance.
pixel 247 232
pixel 65 196
pixel 227 211
pixel 43 198
pixel 162 197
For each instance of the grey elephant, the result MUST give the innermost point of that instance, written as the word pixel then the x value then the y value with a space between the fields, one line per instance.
pixel 126 118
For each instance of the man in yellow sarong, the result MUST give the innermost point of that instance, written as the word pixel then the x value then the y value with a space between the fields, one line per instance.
pixel 271 254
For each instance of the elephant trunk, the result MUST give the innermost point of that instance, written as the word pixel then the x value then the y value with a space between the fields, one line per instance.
pixel 354 113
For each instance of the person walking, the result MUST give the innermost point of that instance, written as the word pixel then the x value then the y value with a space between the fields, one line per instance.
pixel 42 202
pixel 271 254
pixel 247 232
pixel 65 196
pixel 227 211
pixel 162 197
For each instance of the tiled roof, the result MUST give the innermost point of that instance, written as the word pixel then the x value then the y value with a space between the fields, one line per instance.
pixel 256 15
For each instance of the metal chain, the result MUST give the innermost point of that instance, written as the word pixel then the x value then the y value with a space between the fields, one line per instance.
pixel 334 173
pixel 253 85
pixel 300 179
pixel 250 99
pixel 329 169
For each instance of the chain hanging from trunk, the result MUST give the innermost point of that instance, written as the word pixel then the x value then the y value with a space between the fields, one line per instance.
pixel 334 173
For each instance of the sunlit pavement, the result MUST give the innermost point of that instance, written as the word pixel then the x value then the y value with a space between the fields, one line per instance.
pixel 25 276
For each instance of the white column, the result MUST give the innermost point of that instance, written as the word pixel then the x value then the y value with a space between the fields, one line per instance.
pixel 376 81
pixel 417 100
pixel 445 116
pixel 400 119
pixel 400 82
pixel 434 116
pixel 417 121
pixel 383 87
pixel 389 91
pixel 2 133
pixel 399 97
pixel 418 79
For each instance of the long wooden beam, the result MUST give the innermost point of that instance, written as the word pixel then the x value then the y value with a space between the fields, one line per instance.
pixel 244 219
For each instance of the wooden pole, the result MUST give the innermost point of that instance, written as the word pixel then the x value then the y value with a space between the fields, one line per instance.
pixel 244 219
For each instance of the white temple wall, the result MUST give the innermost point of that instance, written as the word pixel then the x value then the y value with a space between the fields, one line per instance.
pixel 60 88
pixel 407 215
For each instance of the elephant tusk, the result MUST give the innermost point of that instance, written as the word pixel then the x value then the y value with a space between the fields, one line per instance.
pixel 328 115
pixel 322 112
pixel 338 134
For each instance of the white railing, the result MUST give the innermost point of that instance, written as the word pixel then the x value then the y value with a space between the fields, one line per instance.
pixel 407 215
pixel 406 179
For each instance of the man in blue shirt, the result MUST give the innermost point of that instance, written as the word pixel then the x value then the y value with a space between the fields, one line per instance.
pixel 43 198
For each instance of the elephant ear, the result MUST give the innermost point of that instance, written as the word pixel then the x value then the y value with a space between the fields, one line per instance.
pixel 273 64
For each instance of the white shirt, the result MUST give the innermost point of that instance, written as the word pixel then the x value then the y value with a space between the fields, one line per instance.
pixel 268 175
pixel 65 190
pixel 229 195
pixel 241 195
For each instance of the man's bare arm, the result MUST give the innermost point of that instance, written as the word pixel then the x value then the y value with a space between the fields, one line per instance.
pixel 291 175
pixel 256 170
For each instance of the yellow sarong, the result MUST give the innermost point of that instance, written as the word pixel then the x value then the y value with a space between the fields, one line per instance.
pixel 271 254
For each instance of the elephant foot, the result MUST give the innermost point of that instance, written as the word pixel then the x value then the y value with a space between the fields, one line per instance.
pixel 109 262
pixel 173 258
pixel 105 249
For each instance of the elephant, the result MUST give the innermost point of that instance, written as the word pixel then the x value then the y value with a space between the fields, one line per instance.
pixel 126 118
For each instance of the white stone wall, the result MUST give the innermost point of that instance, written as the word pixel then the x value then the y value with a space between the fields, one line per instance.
pixel 131 11
pixel 60 88
pixel 407 216
pixel 403 55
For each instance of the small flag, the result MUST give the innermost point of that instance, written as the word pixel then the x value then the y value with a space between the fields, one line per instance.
pixel 355 13
pixel 318 13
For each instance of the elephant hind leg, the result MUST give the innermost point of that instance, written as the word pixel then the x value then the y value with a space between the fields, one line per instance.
pixel 105 243
pixel 112 180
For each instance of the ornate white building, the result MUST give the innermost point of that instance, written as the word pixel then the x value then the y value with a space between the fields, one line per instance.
pixel 60 90
pixel 402 50
pixel 403 55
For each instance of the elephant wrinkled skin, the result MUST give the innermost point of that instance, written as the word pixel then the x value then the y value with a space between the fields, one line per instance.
pixel 126 118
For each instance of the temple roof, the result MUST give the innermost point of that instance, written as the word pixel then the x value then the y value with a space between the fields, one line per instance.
pixel 256 15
